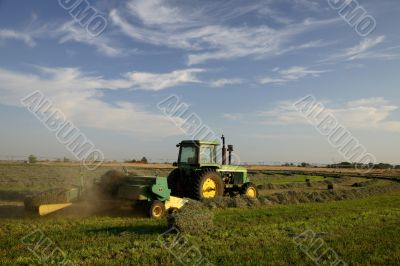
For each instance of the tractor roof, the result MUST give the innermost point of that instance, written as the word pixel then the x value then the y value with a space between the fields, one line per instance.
pixel 200 142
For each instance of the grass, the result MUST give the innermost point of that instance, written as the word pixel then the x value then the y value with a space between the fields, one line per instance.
pixel 362 232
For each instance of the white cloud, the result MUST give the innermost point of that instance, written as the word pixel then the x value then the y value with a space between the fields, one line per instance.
pixel 363 114
pixel 203 36
pixel 366 49
pixel 274 15
pixel 6 34
pixel 297 72
pixel 360 49
pixel 71 31
pixel 269 80
pixel 291 74
pixel 225 82
pixel 158 82
pixel 313 5
pixel 155 12
pixel 77 95
pixel 232 116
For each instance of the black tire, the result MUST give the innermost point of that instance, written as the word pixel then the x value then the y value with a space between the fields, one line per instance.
pixel 156 209
pixel 174 183
pixel 249 190
pixel 201 178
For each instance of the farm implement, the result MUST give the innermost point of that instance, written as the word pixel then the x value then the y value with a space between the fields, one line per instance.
pixel 113 188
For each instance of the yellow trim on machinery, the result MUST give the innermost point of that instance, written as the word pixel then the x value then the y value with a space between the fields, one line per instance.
pixel 175 202
pixel 50 208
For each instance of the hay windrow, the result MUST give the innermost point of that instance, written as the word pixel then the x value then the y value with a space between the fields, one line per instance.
pixel 365 183
pixel 296 197
pixel 193 218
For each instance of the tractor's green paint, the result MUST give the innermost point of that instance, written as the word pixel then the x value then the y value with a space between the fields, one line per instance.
pixel 197 156
pixel 144 188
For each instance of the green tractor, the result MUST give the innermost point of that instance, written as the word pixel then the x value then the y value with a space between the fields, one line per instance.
pixel 199 176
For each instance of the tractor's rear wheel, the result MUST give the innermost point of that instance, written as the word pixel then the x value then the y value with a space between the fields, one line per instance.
pixel 174 179
pixel 157 209
pixel 249 190
pixel 208 184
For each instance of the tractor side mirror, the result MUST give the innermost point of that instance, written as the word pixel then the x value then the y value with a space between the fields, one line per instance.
pixel 175 164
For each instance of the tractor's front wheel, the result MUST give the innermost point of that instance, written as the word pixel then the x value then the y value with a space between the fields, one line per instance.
pixel 249 190
pixel 157 209
pixel 208 184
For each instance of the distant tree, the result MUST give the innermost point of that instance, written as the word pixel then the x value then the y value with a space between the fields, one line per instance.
pixel 383 166
pixel 144 160
pixel 131 161
pixel 343 165
pixel 397 167
pixel 66 160
pixel 32 159
pixel 304 164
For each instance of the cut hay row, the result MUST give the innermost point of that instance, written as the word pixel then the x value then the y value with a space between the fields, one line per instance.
pixel 196 218
pixel 295 197
pixel 193 218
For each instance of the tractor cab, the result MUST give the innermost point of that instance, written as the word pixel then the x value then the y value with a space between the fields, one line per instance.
pixel 196 153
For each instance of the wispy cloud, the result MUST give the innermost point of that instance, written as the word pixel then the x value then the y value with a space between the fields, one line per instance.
pixel 8 34
pixel 157 12
pixel 367 49
pixel 72 32
pixel 225 82
pixel 156 82
pixel 362 114
pixel 361 49
pixel 291 74
pixel 232 116
pixel 158 23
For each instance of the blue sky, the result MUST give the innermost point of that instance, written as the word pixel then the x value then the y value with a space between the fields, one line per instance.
pixel 238 65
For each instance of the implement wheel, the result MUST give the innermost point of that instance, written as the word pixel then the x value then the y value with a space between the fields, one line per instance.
pixel 207 185
pixel 249 190
pixel 157 209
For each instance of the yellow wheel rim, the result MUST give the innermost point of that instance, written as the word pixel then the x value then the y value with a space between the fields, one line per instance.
pixel 251 192
pixel 157 211
pixel 209 188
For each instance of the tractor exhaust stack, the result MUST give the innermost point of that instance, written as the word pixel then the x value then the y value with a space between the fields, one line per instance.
pixel 230 150
pixel 223 150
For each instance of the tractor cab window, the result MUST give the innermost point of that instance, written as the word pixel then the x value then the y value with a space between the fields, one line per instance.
pixel 207 155
pixel 188 155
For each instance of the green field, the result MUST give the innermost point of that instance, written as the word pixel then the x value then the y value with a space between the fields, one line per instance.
pixel 360 231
